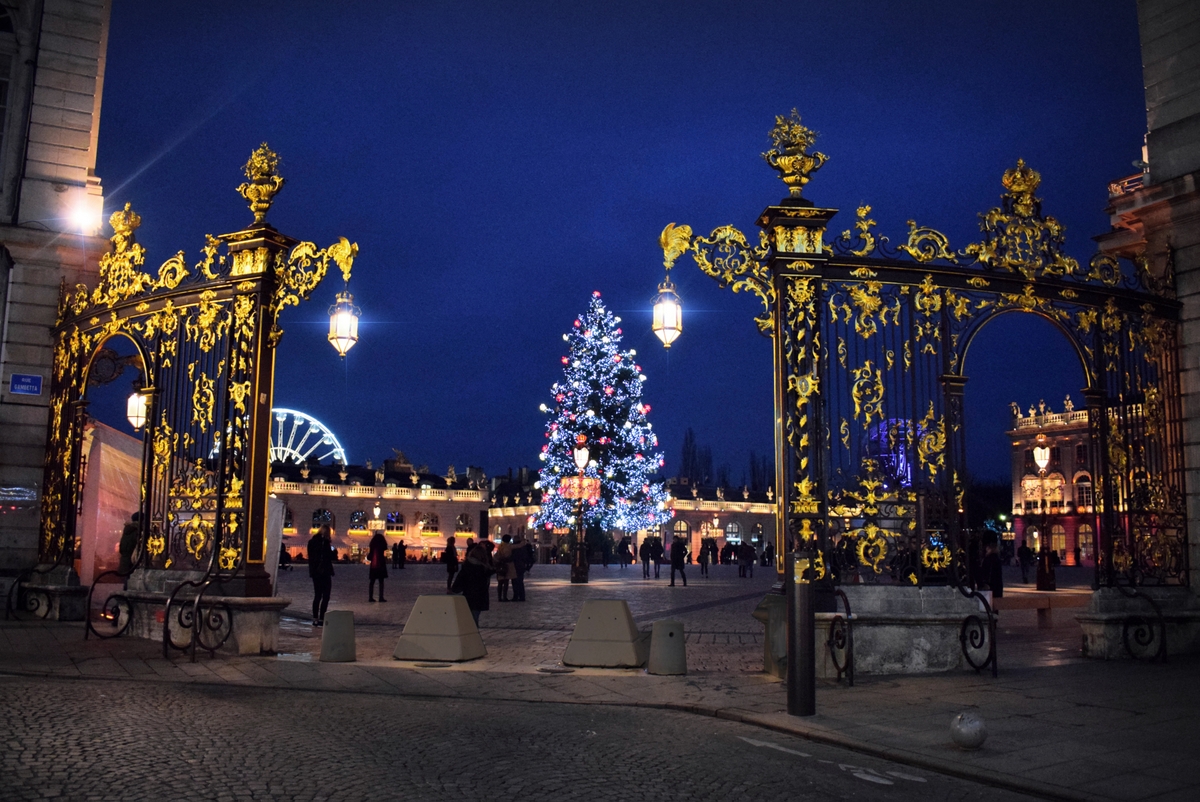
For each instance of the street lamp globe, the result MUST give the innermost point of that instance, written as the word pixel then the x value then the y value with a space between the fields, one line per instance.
pixel 580 452
pixel 668 313
pixel 343 323
pixel 135 409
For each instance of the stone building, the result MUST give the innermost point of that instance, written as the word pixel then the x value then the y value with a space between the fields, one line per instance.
pixel 52 55
pixel 1155 213
pixel 405 503
pixel 729 515
pixel 1053 495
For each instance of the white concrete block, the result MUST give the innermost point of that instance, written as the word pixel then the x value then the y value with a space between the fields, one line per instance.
pixel 337 637
pixel 440 628
pixel 668 653
pixel 606 637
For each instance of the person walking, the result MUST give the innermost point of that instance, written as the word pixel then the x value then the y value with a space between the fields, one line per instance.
pixel 624 552
pixel 377 559
pixel 678 560
pixel 506 571
pixel 473 580
pixel 1025 559
pixel 320 568
pixel 644 553
pixel 656 554
pixel 450 558
pixel 521 564
pixel 747 556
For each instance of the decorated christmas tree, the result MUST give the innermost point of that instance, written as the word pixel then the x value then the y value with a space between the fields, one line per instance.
pixel 600 399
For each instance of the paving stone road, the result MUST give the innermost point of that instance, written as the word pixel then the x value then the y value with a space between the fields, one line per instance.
pixel 102 740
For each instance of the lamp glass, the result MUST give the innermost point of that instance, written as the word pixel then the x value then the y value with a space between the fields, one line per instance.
pixel 343 323
pixel 581 457
pixel 668 314
pixel 1041 455
pixel 135 410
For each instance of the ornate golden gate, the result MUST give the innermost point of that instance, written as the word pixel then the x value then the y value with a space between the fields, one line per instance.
pixel 206 337
pixel 869 349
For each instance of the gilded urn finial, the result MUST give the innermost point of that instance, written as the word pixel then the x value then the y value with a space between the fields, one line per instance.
pixel 790 156
pixel 265 181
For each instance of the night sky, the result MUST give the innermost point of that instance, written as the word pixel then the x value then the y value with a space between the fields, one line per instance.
pixel 497 162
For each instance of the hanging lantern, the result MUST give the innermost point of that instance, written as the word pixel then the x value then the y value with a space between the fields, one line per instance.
pixel 581 453
pixel 343 323
pixel 668 313
pixel 377 509
pixel 135 409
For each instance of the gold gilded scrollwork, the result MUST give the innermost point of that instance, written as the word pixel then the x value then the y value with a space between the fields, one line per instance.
pixel 171 273
pixel 931 443
pixel 864 304
pixel 726 256
pixel 164 443
pixel 156 544
pixel 1153 335
pixel 789 156
pixel 204 398
pixel 208 324
pixel 935 559
pixel 863 227
pixel 872 547
pixel 928 303
pixel 120 276
pixel 926 244
pixel 197 533
pixel 867 393
pixel 675 241
pixel 238 391
pixel 300 274
pixel 205 265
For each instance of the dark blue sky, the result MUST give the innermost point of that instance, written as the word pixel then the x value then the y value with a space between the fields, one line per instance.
pixel 496 162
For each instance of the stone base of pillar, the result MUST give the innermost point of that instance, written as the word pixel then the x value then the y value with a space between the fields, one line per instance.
pixel 54 595
pixel 1116 626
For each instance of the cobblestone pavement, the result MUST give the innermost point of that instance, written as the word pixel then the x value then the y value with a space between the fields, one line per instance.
pixel 1059 727
pixel 90 739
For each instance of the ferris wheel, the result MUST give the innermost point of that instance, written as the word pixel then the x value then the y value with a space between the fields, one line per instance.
pixel 296 438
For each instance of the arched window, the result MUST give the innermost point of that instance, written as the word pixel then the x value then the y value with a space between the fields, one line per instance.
pixel 463 522
pixel 395 522
pixel 358 519
pixel 1083 491
pixel 756 534
pixel 733 532
pixel 1058 539
pixel 1087 542
pixel 681 529
pixel 321 517
pixel 429 523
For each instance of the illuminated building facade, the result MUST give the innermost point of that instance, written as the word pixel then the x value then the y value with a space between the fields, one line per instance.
pixel 1053 493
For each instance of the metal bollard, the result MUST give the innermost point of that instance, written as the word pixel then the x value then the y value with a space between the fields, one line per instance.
pixel 802 656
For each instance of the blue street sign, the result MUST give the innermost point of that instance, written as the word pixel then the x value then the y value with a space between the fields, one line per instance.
pixel 25 384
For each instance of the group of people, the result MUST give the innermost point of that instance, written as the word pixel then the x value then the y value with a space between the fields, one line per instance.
pixel 653 553
pixel 471 577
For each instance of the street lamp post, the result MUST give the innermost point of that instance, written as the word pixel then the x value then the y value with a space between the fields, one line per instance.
pixel 584 489
pixel 1046 579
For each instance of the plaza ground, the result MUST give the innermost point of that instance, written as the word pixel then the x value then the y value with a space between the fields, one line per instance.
pixel 1059 727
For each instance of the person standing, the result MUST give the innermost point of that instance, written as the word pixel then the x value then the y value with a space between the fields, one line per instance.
pixel 450 558
pixel 377 559
pixel 644 553
pixel 473 580
pixel 395 555
pixel 320 568
pixel 521 564
pixel 506 571
pixel 703 559
pixel 1025 559
pixel 402 551
pixel 128 544
pixel 656 554
pixel 678 560
pixel 747 556
pixel 991 573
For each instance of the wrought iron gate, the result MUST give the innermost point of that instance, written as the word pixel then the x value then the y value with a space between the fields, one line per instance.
pixel 206 336
pixel 869 350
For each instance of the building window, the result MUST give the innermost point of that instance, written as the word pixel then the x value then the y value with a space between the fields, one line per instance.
pixel 358 519
pixel 1058 540
pixel 733 532
pixel 1083 493
pixel 756 534
pixel 463 522
pixel 1087 541
pixel 322 517
pixel 1054 455
pixel 681 529
pixel 395 522
pixel 429 523
pixel 288 523
pixel 1081 454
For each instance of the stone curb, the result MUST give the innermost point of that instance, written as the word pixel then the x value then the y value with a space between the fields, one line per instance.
pixel 796 727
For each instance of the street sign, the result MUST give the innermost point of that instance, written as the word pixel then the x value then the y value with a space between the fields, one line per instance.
pixel 25 384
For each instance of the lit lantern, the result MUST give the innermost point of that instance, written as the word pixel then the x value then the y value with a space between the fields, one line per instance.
pixel 581 452
pixel 377 509
pixel 668 313
pixel 343 323
pixel 1041 453
pixel 135 409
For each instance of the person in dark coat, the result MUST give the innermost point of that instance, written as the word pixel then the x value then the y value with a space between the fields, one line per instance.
pixel 991 574
pixel 1025 560
pixel 450 558
pixel 644 553
pixel 377 559
pixel 129 540
pixel 521 563
pixel 703 558
pixel 474 577
pixel 678 560
pixel 401 550
pixel 320 568
pixel 656 554
pixel 747 556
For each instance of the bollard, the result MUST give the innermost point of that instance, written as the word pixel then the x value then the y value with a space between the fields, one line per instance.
pixel 802 655
pixel 440 628
pixel 668 653
pixel 337 638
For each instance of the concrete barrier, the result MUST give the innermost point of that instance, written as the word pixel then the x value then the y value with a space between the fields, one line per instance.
pixel 668 653
pixel 606 637
pixel 337 637
pixel 440 628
